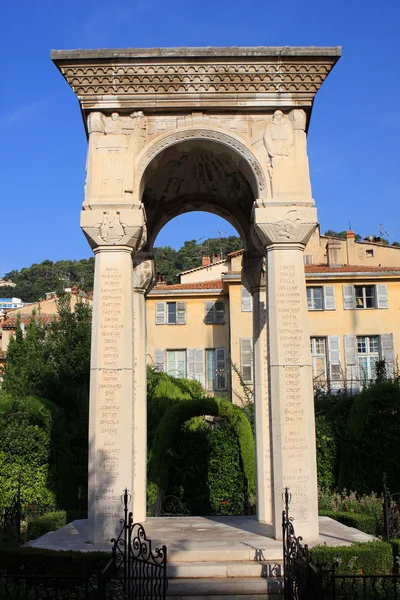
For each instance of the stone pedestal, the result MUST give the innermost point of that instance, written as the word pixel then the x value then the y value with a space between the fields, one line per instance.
pixel 290 370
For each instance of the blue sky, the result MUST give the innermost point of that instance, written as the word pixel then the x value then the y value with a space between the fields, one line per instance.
pixel 353 141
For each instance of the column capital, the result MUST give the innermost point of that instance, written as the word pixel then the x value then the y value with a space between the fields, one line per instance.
pixel 253 271
pixel 143 272
pixel 284 225
pixel 114 227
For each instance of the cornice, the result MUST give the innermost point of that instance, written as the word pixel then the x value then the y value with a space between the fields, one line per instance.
pixel 177 78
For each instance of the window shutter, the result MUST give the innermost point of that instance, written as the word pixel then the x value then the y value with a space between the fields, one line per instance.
pixel 219 312
pixel 199 366
pixel 329 297
pixel 382 296
pixel 247 300
pixel 220 365
pixel 159 359
pixel 350 358
pixel 334 361
pixel 181 313
pixel 246 359
pixel 348 297
pixel 387 351
pixel 208 312
pixel 161 313
pixel 190 363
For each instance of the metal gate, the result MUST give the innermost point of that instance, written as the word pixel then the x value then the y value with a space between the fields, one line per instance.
pixel 135 569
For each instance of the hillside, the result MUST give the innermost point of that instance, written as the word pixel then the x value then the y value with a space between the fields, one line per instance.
pixel 32 283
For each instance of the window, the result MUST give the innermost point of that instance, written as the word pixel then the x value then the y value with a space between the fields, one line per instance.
pixel 214 313
pixel 170 313
pixel 318 353
pixel 369 253
pixel 368 354
pixel 308 259
pixel 362 352
pixel 176 363
pixel 216 369
pixel 365 296
pixel 246 359
pixel 321 297
pixel 325 356
pixel 247 300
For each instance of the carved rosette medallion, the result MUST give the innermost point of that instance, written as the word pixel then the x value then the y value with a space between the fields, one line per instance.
pixel 114 228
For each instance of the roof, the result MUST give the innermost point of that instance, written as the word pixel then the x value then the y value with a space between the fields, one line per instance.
pixel 200 267
pixel 215 284
pixel 235 253
pixel 10 322
pixel 350 269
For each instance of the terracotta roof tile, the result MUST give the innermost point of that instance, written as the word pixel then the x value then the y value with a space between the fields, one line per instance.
pixel 10 322
pixel 349 269
pixel 235 253
pixel 216 284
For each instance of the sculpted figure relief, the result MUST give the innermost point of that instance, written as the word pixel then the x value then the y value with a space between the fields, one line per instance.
pixel 278 138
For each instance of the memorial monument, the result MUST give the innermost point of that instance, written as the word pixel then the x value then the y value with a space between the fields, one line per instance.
pixel 222 130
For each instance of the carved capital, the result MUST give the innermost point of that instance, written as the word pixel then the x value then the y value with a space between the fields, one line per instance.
pixel 253 271
pixel 144 274
pixel 284 225
pixel 112 227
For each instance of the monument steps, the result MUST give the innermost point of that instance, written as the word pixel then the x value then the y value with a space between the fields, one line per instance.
pixel 234 588
pixel 221 569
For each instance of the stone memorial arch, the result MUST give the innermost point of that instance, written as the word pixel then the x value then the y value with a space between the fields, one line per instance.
pixel 182 129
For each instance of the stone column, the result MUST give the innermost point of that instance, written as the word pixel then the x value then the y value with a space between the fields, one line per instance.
pixel 290 371
pixel 114 236
pixel 143 280
pixel 253 277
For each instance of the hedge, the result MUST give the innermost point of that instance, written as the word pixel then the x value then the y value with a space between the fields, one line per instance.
pixel 361 521
pixel 38 561
pixel 162 451
pixel 51 521
pixel 366 558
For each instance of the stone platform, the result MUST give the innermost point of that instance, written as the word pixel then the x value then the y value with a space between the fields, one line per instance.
pixel 217 557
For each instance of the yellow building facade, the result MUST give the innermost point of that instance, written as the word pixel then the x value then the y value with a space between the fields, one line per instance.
pixel 204 330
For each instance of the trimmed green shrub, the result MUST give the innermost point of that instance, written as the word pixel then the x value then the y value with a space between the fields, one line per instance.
pixel 372 439
pixel 38 526
pixel 327 452
pixel 38 561
pixel 168 431
pixel 366 558
pixel 363 522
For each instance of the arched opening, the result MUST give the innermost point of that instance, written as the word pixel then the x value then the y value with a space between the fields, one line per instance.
pixel 199 175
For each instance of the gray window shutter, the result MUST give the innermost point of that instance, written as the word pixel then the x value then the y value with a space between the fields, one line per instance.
pixel 329 297
pixel 190 356
pixel 382 296
pixel 387 351
pixel 209 312
pixel 219 308
pixel 181 313
pixel 159 359
pixel 247 300
pixel 335 369
pixel 246 359
pixel 220 367
pixel 161 313
pixel 199 374
pixel 350 358
pixel 348 297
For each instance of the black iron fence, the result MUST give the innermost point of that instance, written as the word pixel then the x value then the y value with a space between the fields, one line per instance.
pixel 305 581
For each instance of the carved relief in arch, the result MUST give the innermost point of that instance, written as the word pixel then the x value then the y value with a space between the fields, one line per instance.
pixel 144 159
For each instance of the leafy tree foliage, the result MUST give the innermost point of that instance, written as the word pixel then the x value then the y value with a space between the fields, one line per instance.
pixel 340 234
pixel 53 361
pixel 34 282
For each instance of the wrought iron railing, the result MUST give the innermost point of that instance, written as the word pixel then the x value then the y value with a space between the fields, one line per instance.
pixel 306 581
pixel 135 568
